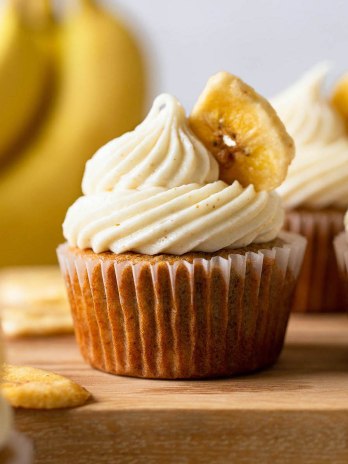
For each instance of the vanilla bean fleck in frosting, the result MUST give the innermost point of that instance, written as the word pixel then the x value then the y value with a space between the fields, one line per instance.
pixel 318 176
pixel 157 190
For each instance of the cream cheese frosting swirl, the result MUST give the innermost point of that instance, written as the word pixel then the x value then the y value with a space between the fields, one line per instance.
pixel 156 190
pixel 318 176
pixel 161 151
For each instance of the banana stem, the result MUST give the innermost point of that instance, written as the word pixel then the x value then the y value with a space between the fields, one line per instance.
pixel 34 13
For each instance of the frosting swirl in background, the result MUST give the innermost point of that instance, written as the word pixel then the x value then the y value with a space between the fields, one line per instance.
pixel 156 190
pixel 318 176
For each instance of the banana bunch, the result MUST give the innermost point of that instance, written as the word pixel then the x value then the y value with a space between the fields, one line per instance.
pixel 66 87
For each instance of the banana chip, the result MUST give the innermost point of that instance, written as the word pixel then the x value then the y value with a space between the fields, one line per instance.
pixel 243 132
pixel 33 301
pixel 30 388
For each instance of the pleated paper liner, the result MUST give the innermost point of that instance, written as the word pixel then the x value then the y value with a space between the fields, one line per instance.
pixel 319 288
pixel 207 317
pixel 341 249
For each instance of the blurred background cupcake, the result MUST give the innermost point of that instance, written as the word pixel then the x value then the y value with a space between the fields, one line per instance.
pixel 315 192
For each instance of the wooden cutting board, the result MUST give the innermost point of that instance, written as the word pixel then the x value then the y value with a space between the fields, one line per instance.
pixel 295 412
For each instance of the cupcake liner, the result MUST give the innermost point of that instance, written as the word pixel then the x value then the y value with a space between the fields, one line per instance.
pixel 319 288
pixel 204 318
pixel 341 249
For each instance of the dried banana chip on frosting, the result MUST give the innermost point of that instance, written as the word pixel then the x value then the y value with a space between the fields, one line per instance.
pixel 31 388
pixel 243 132
pixel 33 301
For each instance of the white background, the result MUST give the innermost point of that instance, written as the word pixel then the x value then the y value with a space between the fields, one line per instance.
pixel 269 43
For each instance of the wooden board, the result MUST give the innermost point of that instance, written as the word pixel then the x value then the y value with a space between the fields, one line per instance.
pixel 295 412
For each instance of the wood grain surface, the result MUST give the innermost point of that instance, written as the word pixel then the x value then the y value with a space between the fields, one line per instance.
pixel 295 412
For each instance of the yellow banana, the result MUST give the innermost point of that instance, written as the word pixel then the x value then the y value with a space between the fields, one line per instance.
pixel 100 95
pixel 25 70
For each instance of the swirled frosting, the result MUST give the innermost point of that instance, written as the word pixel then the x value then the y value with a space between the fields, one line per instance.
pixel 318 176
pixel 162 151
pixel 156 190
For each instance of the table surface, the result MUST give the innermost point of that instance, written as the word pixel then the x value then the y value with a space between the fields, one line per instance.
pixel 296 411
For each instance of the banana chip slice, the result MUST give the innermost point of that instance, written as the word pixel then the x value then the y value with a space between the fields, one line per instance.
pixel 30 388
pixel 33 301
pixel 243 132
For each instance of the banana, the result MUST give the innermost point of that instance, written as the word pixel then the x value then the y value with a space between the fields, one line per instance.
pixel 100 94
pixel 340 97
pixel 243 132
pixel 25 70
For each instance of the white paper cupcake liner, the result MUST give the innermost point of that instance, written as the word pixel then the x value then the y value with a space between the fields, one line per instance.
pixel 341 249
pixel 319 288
pixel 161 319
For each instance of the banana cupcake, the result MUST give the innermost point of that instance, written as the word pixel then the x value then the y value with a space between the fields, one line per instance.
pixel 315 192
pixel 172 272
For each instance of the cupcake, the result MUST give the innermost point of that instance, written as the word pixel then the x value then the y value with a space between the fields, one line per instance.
pixel 172 272
pixel 315 192
pixel 14 447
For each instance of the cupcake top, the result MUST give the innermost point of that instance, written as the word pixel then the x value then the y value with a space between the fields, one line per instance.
pixel 157 190
pixel 5 411
pixel 318 176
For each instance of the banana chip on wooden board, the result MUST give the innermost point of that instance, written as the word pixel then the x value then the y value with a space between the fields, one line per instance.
pixel 33 301
pixel 31 388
